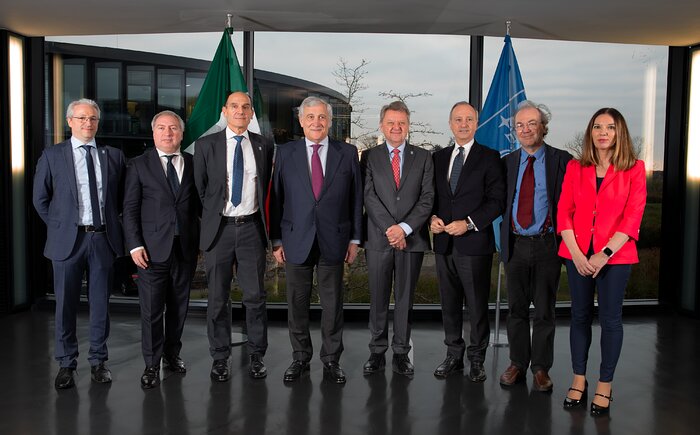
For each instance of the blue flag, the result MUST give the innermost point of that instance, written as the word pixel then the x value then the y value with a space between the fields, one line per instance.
pixel 506 91
pixel 495 126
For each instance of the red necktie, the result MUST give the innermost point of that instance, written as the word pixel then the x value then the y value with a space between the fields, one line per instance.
pixel 316 171
pixel 396 166
pixel 526 199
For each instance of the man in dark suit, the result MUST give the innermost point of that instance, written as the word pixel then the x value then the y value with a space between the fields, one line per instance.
pixel 78 194
pixel 398 201
pixel 232 173
pixel 529 245
pixel 470 194
pixel 316 222
pixel 161 226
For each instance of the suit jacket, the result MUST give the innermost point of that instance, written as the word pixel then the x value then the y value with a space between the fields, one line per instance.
pixel 210 176
pixel 151 209
pixel 480 195
pixel 617 206
pixel 55 197
pixel 385 205
pixel 297 218
pixel 555 167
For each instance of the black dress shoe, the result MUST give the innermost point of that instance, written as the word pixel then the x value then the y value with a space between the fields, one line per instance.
pixel 477 372
pixel 220 371
pixel 333 372
pixel 401 364
pixel 150 377
pixel 65 378
pixel 257 368
pixel 295 370
pixel 174 363
pixel 449 366
pixel 101 374
pixel 570 403
pixel 376 362
pixel 599 411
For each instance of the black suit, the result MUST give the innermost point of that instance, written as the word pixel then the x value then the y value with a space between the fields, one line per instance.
pixel 387 205
pixel 532 268
pixel 166 225
pixel 464 262
pixel 227 243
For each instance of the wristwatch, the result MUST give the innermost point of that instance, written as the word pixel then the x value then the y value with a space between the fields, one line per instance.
pixel 607 251
pixel 470 226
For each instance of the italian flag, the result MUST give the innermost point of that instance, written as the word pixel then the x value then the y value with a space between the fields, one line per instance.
pixel 224 76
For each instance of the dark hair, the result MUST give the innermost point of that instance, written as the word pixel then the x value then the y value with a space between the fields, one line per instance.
pixel 623 156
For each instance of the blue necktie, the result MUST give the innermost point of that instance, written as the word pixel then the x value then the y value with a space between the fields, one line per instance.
pixel 237 179
pixel 456 169
pixel 92 180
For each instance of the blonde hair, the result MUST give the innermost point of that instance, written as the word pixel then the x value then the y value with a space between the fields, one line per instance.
pixel 623 155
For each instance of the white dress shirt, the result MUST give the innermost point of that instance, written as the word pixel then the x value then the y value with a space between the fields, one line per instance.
pixel 83 183
pixel 249 199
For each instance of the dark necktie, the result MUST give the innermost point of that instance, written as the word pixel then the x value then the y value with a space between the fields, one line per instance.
pixel 174 185
pixel 316 171
pixel 92 181
pixel 172 174
pixel 237 179
pixel 456 169
pixel 396 166
pixel 526 199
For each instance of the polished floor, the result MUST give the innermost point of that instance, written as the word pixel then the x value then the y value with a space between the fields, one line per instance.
pixel 656 389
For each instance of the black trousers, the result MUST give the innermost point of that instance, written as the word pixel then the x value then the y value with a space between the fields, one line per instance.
pixel 398 270
pixel 465 278
pixel 237 246
pixel 164 294
pixel 330 291
pixel 532 276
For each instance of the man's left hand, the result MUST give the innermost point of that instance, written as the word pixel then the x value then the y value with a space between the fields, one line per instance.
pixel 351 254
pixel 456 228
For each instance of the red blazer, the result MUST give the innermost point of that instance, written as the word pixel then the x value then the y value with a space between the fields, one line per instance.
pixel 617 206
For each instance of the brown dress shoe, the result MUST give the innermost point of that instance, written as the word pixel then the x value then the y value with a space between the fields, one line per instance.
pixel 542 382
pixel 512 376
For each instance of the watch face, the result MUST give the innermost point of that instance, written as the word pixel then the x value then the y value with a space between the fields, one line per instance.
pixel 607 251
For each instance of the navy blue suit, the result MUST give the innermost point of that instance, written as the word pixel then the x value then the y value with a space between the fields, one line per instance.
pixel 73 251
pixel 316 233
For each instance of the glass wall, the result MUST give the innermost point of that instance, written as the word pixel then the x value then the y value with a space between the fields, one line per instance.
pixel 574 79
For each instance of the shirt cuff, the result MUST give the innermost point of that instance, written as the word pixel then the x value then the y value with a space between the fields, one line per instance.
pixel 136 249
pixel 276 242
pixel 356 242
pixel 406 228
pixel 472 222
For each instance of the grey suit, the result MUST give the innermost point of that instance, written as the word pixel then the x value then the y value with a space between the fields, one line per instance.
pixel 227 243
pixel 386 205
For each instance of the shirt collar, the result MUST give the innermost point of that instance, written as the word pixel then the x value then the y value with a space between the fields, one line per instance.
pixel 77 143
pixel 162 154
pixel 400 148
pixel 324 141
pixel 539 154
pixel 230 134
pixel 467 146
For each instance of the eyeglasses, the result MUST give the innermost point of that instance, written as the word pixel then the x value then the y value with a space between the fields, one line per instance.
pixel 531 125
pixel 85 119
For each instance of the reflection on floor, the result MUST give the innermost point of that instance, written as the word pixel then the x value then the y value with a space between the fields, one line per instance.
pixel 655 390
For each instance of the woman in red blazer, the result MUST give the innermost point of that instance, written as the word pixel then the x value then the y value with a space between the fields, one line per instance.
pixel 599 214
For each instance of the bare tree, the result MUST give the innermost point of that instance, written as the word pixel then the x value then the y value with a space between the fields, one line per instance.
pixel 351 79
pixel 417 127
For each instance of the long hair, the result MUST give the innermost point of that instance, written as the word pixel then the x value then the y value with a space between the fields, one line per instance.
pixel 623 156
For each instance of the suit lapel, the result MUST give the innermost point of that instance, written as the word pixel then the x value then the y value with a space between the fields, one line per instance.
pixel 70 164
pixel 302 165
pixel 513 162
pixel 551 169
pixel 469 164
pixel 104 167
pixel 383 164
pixel 610 175
pixel 156 168
pixel 220 156
pixel 333 159
pixel 409 156
pixel 589 181
pixel 187 174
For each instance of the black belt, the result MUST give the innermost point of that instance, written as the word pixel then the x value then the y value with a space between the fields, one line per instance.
pixel 535 237
pixel 91 229
pixel 237 220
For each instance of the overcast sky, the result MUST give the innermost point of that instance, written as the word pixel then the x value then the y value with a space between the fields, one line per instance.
pixel 574 79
